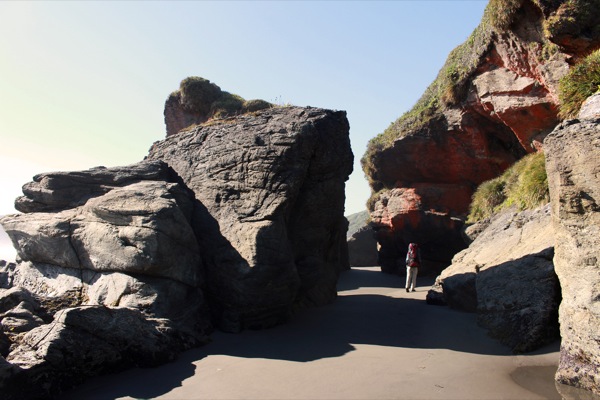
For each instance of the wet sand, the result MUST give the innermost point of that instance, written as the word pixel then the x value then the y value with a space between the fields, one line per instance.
pixel 376 341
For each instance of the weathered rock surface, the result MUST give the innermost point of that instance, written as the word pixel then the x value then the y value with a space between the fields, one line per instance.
pixel 117 243
pixel 590 109
pixel 573 168
pixel 272 185
pixel 56 191
pixel 402 216
pixel 83 342
pixel 507 277
pixel 428 174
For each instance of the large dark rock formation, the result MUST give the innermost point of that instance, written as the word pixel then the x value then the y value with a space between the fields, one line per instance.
pixel 493 102
pixel 115 260
pixel 573 167
pixel 507 277
pixel 236 223
pixel 273 186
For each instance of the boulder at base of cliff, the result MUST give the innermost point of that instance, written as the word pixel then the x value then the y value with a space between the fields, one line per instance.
pixel 573 168
pixel 272 186
pixel 83 342
pixel 507 277
pixel 362 248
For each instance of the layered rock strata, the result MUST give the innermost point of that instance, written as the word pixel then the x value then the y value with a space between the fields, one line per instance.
pixel 423 178
pixel 273 187
pixel 515 291
pixel 117 258
pixel 573 168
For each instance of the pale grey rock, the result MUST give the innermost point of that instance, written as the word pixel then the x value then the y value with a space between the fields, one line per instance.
pixel 51 281
pixel 56 191
pixel 495 275
pixel 157 297
pixel 590 109
pixel 141 228
pixel 6 274
pixel 270 219
pixel 573 168
pixel 43 237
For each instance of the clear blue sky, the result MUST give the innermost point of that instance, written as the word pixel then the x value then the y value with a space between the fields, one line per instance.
pixel 83 84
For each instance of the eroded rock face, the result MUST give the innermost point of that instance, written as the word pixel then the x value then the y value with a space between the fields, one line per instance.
pixel 83 342
pixel 428 175
pixel 572 164
pixel 57 191
pixel 118 250
pixel 507 277
pixel 273 186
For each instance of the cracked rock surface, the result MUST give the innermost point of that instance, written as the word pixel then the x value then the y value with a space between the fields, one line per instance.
pixel 236 223
pixel 573 167
pixel 272 185
pixel 507 277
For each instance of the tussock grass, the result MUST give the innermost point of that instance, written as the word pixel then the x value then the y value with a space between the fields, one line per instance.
pixel 524 185
pixel 582 81
pixel 449 87
pixel 201 96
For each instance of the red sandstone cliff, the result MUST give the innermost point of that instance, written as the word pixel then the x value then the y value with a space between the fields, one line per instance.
pixel 426 166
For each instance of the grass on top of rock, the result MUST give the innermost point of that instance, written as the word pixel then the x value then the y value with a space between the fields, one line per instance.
pixel 201 96
pixel 582 81
pixel 524 186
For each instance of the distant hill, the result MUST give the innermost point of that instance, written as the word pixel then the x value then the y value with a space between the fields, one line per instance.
pixel 357 221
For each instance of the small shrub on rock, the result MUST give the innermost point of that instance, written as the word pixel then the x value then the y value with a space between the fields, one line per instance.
pixel 198 94
pixel 256 105
pixel 580 83
pixel 524 185
pixel 227 105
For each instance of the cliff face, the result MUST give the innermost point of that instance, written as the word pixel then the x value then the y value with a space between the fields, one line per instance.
pixel 572 163
pixel 425 168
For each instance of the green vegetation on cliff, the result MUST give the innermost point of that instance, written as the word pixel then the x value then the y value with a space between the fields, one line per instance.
pixel 582 81
pixel 562 19
pixel 524 185
pixel 449 87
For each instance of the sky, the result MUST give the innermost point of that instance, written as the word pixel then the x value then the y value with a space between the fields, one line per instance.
pixel 83 84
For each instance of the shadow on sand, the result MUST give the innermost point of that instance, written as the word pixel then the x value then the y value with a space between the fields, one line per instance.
pixel 394 319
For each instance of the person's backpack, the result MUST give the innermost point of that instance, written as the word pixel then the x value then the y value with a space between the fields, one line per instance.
pixel 412 259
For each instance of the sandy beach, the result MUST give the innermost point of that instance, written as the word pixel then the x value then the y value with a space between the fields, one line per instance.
pixel 376 341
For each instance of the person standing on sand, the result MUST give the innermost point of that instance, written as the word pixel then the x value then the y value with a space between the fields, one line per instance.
pixel 413 262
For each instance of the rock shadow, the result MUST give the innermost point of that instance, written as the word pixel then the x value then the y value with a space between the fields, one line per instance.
pixel 392 320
